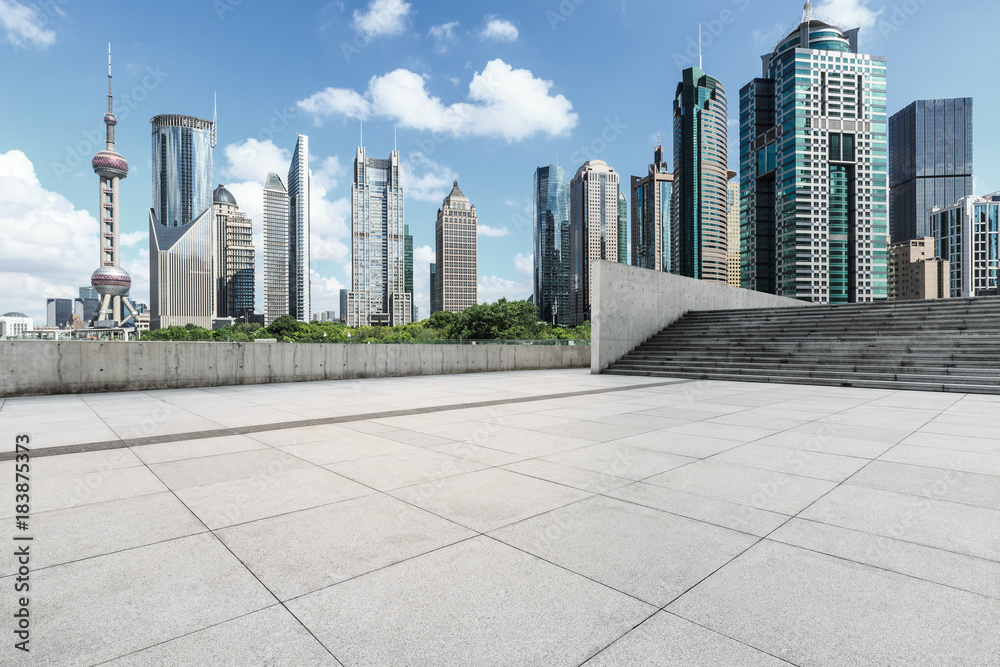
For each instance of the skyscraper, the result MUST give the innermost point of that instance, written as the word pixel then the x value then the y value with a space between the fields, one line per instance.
pixel 456 249
pixel 433 287
pixel 594 218
pixel 551 281
pixel 930 162
pixel 234 257
pixel 967 234
pixel 378 290
pixel 622 228
pixel 651 218
pixel 181 288
pixel 276 249
pixel 813 169
pixel 699 204
pixel 299 279
pixel 732 230
pixel 408 266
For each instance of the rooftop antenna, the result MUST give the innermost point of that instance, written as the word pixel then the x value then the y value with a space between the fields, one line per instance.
pixel 699 46
pixel 657 138
pixel 393 138
pixel 215 118
pixel 807 12
pixel 361 124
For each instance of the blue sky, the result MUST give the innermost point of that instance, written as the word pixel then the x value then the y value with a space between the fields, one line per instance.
pixel 481 92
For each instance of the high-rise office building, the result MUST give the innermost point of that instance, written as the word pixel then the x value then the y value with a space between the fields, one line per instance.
pixel 651 216
pixel 181 288
pixel 930 162
pixel 813 169
pixel 378 289
pixel 732 230
pixel 59 313
pixel 551 271
pixel 408 267
pixel 433 287
pixel 914 271
pixel 699 204
pixel 343 306
pixel 966 235
pixel 234 258
pixel 299 279
pixel 594 219
pixel 276 250
pixel 456 250
pixel 622 228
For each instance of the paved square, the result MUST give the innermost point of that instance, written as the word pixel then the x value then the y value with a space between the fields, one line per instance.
pixel 576 520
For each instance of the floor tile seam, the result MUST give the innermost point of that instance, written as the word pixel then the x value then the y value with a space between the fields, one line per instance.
pixel 758 467
pixel 923 497
pixel 288 513
pixel 99 502
pixel 186 634
pixel 615 641
pixel 723 634
pixel 709 497
pixel 846 456
pixel 879 536
pixel 256 428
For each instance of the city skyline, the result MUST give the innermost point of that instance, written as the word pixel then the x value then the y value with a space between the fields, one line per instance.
pixel 254 128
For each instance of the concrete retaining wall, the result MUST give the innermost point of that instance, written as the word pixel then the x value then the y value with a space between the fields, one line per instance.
pixel 629 304
pixel 68 367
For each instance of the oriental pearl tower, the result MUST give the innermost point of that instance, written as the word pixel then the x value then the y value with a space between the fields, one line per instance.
pixel 110 280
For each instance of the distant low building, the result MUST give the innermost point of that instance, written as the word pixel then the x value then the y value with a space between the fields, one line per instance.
pixel 915 272
pixel 14 324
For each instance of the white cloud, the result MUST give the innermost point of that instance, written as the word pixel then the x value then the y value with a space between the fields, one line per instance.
pixel 849 13
pixel 525 263
pixel 492 288
pixel 500 30
pixel 443 35
pixel 383 18
pixel 423 257
pixel 130 239
pixel 25 26
pixel 424 179
pixel 486 230
pixel 503 102
pixel 48 248
pixel 252 159
pixel 769 38
pixel 325 292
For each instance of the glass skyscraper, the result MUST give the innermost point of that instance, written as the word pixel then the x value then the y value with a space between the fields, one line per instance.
pixel 378 293
pixel 181 223
pixel 550 201
pixel 813 169
pixel 651 207
pixel 930 162
pixel 299 279
pixel 699 205
pixel 622 228
pixel 408 263
pixel 276 245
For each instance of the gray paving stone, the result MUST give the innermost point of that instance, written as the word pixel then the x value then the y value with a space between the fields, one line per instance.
pixel 724 431
pixel 480 603
pixel 393 471
pixel 946 459
pixel 190 449
pixel 612 458
pixel 960 443
pixel 484 455
pixel 188 473
pixel 348 448
pixel 666 640
pixel 681 444
pixel 827 444
pixel 813 609
pixel 297 553
pixel 269 637
pixel 488 499
pixel 954 485
pixel 55 493
pixel 596 431
pixel 579 478
pixel 647 553
pixel 793 461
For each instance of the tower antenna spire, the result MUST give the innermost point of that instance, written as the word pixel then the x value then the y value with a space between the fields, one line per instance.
pixel 215 118
pixel 699 46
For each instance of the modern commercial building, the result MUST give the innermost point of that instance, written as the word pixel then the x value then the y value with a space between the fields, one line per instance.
pixel 14 324
pixel 276 250
pixel 181 225
pixel 813 169
pixel 699 203
pixel 733 230
pixel 930 162
pixel 378 282
pixel 343 306
pixel 299 277
pixel 622 228
pixel 234 258
pixel 408 267
pixel 966 235
pixel 652 197
pixel 914 271
pixel 552 270
pixel 433 287
pixel 456 253
pixel 594 220
pixel 59 313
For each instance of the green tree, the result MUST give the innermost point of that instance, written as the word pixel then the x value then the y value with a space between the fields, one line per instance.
pixel 503 320
pixel 286 328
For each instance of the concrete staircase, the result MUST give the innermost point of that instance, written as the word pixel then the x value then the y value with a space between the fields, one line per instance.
pixel 942 345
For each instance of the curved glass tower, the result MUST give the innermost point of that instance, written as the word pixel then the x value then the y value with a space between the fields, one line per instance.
pixel 550 197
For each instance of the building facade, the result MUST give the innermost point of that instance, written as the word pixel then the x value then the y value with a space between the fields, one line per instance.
pixel 408 267
pixel 622 228
pixel 15 324
pixel 550 235
pixel 299 280
pixel 433 286
pixel 276 250
pixel 699 194
pixel 456 253
pixel 181 224
pixel 966 235
pixel 733 230
pixel 234 258
pixel 651 216
pixel 914 271
pixel 930 162
pixel 813 169
pixel 594 221
pixel 378 289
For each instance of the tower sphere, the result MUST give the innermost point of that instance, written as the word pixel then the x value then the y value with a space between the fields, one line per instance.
pixel 110 164
pixel 112 280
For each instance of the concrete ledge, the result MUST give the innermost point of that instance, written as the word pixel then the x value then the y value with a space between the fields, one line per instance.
pixel 630 304
pixel 29 368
